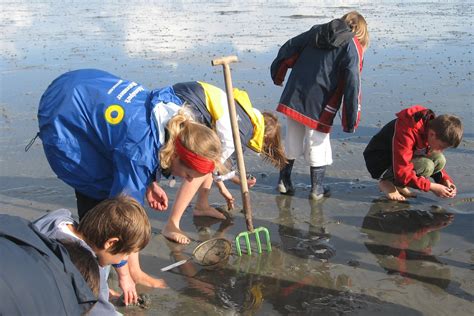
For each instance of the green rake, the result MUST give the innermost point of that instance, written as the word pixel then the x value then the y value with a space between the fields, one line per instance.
pixel 225 61
pixel 246 236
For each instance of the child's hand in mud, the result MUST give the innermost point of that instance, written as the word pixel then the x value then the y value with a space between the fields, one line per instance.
pixel 229 199
pixel 156 197
pixel 441 190
pixel 452 187
pixel 226 194
pixel 126 283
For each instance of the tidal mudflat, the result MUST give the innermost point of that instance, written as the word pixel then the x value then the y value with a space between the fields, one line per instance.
pixel 353 253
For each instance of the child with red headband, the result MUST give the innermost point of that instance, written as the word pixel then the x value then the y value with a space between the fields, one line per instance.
pixel 208 105
pixel 101 136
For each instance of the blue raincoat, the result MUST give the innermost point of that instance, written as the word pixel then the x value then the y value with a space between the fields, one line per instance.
pixel 99 134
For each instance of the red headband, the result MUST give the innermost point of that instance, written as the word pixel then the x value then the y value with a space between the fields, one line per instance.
pixel 193 160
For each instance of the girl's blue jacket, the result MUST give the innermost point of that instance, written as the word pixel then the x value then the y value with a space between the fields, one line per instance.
pixel 99 134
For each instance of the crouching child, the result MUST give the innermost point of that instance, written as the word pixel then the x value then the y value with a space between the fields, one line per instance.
pixel 409 150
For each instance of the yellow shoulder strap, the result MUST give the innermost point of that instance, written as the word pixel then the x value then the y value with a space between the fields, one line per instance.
pixel 256 142
pixel 214 97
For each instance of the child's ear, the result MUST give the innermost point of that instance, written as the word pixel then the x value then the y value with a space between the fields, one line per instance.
pixel 430 133
pixel 110 243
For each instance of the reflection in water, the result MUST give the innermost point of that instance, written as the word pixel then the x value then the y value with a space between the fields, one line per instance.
pixel 295 278
pixel 203 225
pixel 402 240
pixel 312 289
pixel 201 281
pixel 247 288
pixel 462 204
pixel 313 243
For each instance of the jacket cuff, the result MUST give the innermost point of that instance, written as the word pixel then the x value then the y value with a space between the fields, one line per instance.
pixel 425 185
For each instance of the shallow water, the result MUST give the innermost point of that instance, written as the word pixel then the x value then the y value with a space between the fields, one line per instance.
pixel 350 254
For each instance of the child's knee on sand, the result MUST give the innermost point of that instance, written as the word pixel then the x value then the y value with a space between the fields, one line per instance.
pixel 423 166
pixel 427 166
pixel 439 161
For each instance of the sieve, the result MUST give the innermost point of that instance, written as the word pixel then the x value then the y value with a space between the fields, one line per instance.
pixel 208 253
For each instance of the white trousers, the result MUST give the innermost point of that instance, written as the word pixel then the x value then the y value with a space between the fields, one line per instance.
pixel 314 145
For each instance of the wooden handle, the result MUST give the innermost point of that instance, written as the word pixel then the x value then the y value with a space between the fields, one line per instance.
pixel 224 60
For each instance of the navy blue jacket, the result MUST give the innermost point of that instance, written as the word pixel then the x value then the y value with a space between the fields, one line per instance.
pixel 37 276
pixel 326 63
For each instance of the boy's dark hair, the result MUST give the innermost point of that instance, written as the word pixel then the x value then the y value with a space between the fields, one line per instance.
pixel 448 129
pixel 121 217
pixel 85 262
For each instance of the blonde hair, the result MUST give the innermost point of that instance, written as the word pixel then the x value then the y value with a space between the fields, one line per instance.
pixel 272 148
pixel 121 217
pixel 358 26
pixel 196 137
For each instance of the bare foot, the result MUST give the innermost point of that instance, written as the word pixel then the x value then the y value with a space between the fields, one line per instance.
pixel 390 191
pixel 142 278
pixel 175 234
pixel 406 192
pixel 208 211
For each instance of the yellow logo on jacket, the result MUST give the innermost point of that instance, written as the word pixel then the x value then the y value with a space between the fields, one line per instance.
pixel 114 114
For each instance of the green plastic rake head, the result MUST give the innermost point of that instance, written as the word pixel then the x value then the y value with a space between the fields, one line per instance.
pixel 246 236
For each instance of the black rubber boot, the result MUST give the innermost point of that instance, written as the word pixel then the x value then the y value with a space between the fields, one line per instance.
pixel 284 181
pixel 318 190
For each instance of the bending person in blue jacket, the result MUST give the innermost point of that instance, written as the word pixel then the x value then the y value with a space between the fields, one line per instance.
pixel 326 64
pixel 104 135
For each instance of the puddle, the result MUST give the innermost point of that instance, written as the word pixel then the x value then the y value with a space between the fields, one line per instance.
pixel 462 204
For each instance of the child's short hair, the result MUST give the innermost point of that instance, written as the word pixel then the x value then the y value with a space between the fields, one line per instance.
pixel 448 129
pixel 85 262
pixel 121 217
pixel 358 25
pixel 272 149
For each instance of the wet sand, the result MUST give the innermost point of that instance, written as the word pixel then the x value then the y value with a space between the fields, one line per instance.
pixel 387 258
